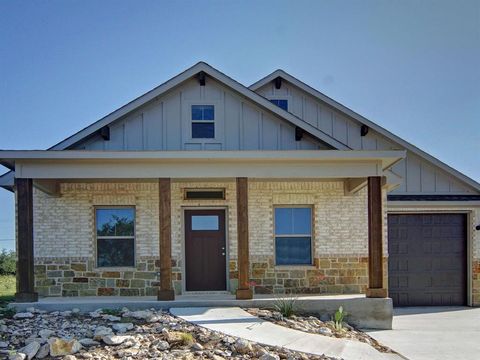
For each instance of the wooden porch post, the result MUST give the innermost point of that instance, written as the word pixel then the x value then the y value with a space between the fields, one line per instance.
pixel 166 291
pixel 243 291
pixel 375 239
pixel 25 264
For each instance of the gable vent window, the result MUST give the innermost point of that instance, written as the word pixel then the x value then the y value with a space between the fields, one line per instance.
pixel 203 122
pixel 204 194
pixel 281 103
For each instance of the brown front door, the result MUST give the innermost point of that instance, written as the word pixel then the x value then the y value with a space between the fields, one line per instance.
pixel 205 250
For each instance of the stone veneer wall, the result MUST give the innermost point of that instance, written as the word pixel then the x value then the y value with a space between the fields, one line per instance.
pixel 65 238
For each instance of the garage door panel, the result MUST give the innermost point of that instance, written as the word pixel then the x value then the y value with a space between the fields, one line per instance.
pixel 427 259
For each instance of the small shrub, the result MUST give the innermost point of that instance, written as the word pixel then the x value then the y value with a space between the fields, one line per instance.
pixel 7 312
pixel 285 306
pixel 187 339
pixel 113 312
pixel 338 318
pixel 8 262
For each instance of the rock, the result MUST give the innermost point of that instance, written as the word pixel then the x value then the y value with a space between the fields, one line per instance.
pixel 60 347
pixel 31 349
pixel 17 356
pixel 75 310
pixel 197 347
pixel 122 327
pixel 217 357
pixel 23 315
pixel 115 339
pixel 325 331
pixel 102 331
pixel 243 346
pixel 69 357
pixel 66 313
pixel 269 356
pixel 3 344
pixel 45 333
pixel 141 314
pixel 111 318
pixel 88 342
pixel 325 317
pixel 43 351
pixel 163 345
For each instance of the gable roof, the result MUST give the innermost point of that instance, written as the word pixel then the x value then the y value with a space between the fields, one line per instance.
pixel 180 78
pixel 362 120
pixel 6 180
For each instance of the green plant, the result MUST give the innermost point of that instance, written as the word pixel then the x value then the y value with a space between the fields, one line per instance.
pixel 114 312
pixel 338 318
pixel 187 339
pixel 8 262
pixel 285 305
pixel 7 312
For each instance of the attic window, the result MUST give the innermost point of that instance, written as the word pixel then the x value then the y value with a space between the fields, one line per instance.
pixel 203 122
pixel 204 194
pixel 281 103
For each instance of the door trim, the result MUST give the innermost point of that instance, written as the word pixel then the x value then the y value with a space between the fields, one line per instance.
pixel 227 251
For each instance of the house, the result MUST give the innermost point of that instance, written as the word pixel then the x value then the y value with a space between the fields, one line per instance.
pixel 205 185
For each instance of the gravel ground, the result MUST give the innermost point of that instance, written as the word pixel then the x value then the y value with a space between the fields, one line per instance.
pixel 314 325
pixel 123 334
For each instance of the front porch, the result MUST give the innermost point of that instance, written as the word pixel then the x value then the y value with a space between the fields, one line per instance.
pixel 343 189
pixel 369 313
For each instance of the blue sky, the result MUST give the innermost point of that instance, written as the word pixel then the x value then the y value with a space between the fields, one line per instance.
pixel 411 66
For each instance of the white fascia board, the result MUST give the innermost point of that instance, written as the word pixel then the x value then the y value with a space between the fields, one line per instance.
pixel 336 105
pixel 386 159
pixel 188 169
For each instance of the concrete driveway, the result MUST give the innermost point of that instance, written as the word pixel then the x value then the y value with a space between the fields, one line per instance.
pixel 440 333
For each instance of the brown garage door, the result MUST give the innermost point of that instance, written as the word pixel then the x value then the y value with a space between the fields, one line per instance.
pixel 427 262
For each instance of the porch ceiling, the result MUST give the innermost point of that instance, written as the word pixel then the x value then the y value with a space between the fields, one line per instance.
pixel 66 164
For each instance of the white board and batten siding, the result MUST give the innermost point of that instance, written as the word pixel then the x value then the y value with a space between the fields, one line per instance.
pixel 165 124
pixel 420 176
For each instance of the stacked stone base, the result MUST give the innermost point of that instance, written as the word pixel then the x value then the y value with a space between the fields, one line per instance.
pixel 78 277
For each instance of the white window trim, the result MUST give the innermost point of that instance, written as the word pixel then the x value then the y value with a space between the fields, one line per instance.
pixel 280 97
pixel 311 236
pixel 107 207
pixel 214 122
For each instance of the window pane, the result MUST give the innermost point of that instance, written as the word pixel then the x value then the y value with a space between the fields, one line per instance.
pixel 115 252
pixel 302 220
pixel 296 221
pixel 208 112
pixel 197 112
pixel 283 221
pixel 205 222
pixel 293 251
pixel 115 222
pixel 281 103
pixel 203 130
pixel 203 112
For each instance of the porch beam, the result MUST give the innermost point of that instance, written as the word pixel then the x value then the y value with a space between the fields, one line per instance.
pixel 243 291
pixel 25 263
pixel 375 239
pixel 165 292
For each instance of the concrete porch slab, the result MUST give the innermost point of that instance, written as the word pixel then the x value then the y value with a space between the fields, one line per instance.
pixel 371 313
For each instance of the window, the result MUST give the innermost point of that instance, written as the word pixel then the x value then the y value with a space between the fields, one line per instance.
pixel 204 194
pixel 203 122
pixel 115 237
pixel 281 103
pixel 205 222
pixel 293 235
